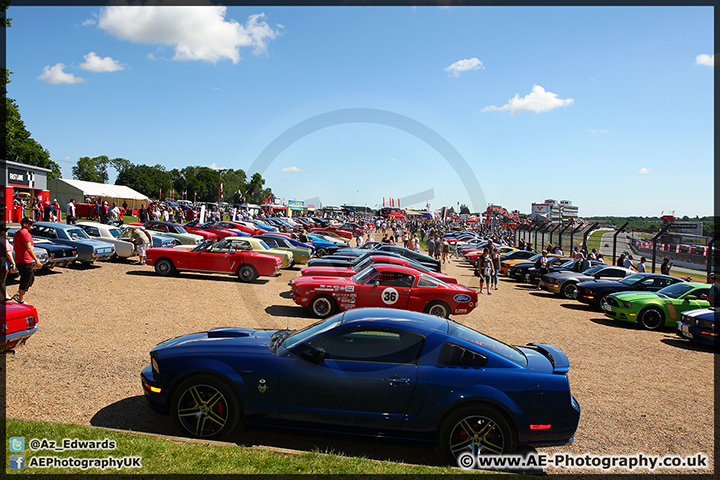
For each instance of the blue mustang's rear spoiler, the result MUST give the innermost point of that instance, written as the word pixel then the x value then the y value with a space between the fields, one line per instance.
pixel 559 360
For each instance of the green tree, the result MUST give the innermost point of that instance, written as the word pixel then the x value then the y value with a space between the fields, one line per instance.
pixel 18 144
pixel 464 209
pixel 155 182
pixel 91 169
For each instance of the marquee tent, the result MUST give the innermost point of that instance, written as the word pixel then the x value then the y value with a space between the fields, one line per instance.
pixel 64 189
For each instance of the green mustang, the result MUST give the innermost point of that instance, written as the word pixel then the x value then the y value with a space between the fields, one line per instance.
pixel 654 311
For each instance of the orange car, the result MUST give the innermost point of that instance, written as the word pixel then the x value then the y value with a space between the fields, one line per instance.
pixel 506 264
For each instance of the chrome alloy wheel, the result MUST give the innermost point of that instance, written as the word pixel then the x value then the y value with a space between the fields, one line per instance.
pixel 202 410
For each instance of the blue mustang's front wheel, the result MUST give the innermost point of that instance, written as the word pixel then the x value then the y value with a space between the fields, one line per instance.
pixel 205 407
pixel 476 429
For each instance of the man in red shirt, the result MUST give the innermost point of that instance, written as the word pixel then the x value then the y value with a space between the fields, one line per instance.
pixel 25 258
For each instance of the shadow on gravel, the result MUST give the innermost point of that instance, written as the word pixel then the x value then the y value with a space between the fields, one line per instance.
pixel 197 276
pixel 84 266
pixel 287 295
pixel 134 414
pixel 612 323
pixel 687 345
pixel 288 311
pixel 582 307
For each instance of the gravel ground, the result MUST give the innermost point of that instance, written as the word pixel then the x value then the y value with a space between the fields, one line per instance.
pixel 640 391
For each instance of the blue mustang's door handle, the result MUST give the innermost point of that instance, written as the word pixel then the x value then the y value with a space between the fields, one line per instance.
pixel 395 380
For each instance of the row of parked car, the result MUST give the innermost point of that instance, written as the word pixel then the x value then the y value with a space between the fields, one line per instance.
pixel 651 300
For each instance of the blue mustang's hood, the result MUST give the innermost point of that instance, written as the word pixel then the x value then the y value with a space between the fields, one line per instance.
pixel 218 337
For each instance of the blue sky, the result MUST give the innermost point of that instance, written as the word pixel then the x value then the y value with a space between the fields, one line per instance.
pixel 610 108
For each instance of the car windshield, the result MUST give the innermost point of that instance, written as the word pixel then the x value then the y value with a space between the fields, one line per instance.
pixel 568 264
pixel 676 290
pixel 303 336
pixel 115 232
pixel 202 246
pixel 593 270
pixel 363 264
pixel 264 245
pixel 76 234
pixel 180 229
pixel 633 279
pixel 487 343
pixel 365 275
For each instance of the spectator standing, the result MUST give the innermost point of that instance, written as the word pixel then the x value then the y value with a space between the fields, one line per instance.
pixel 445 249
pixel 56 209
pixel 641 265
pixel 114 213
pixel 628 263
pixel 666 266
pixel 25 258
pixel 104 212
pixel 431 246
pixel 486 270
pixel 7 263
pixel 544 263
pixel 496 267
pixel 47 212
pixel 621 260
pixel 143 213
pixel 70 212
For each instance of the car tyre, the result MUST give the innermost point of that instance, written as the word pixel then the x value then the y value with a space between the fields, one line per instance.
pixel 206 407
pixel 569 291
pixel 323 306
pixel 164 267
pixel 651 319
pixel 247 273
pixel 438 308
pixel 600 302
pixel 477 429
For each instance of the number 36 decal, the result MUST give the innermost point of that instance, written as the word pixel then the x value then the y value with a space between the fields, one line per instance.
pixel 389 296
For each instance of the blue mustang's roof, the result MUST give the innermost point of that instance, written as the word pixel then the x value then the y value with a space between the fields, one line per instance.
pixel 392 317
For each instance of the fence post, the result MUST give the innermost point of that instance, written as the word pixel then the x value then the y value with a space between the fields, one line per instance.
pixel 617 232
pixel 654 242
pixel 587 232
pixel 572 234
pixel 561 235
pixel 711 253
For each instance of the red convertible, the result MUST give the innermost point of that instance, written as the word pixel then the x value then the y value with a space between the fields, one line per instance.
pixel 19 322
pixel 383 285
pixel 213 257
pixel 350 271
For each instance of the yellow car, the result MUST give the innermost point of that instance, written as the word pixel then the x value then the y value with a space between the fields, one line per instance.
pixel 506 264
pixel 249 243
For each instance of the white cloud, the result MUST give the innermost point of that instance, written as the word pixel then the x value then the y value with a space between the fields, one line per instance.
pixel 396 159
pixel 88 22
pixel 603 132
pixel 56 75
pixel 644 171
pixel 466 65
pixel 214 166
pixel 705 59
pixel 292 169
pixel 94 63
pixel 196 33
pixel 536 101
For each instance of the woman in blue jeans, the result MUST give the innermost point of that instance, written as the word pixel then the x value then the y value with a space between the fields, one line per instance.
pixel 495 257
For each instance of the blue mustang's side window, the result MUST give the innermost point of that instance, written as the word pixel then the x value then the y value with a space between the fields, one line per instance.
pixel 376 346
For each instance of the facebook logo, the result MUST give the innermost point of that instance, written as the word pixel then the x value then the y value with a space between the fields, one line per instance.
pixel 17 462
pixel 17 444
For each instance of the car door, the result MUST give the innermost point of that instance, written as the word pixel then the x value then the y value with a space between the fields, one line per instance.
pixel 215 258
pixel 365 381
pixel 388 289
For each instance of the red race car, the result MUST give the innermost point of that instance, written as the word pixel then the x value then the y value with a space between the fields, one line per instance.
pixel 350 271
pixel 19 322
pixel 383 285
pixel 217 257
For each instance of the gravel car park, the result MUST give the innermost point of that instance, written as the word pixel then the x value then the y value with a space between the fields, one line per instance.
pixel 636 390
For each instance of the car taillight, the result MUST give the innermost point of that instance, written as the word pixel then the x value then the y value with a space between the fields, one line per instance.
pixel 30 322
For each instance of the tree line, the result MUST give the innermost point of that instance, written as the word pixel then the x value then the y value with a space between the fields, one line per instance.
pixel 202 184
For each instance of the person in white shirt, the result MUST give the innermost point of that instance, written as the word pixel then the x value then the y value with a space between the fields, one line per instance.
pixel 70 212
pixel 641 265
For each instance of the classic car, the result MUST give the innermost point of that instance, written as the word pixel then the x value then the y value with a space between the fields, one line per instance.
pixel 565 283
pixel 383 285
pixel 300 254
pixel 88 248
pixel 241 227
pixel 654 311
pixel 349 253
pixel 110 234
pixel 699 326
pixel 19 322
pixel 322 246
pixel 364 261
pixel 204 231
pixel 372 372
pixel 594 293
pixel 521 271
pixel 250 243
pixel 339 234
pixel 532 274
pixel 50 254
pixel 473 256
pixel 158 240
pixel 174 230
pixel 222 256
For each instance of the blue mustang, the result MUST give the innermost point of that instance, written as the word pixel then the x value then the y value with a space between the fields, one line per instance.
pixel 368 371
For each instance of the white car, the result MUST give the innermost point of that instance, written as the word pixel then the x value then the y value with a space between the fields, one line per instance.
pixel 110 234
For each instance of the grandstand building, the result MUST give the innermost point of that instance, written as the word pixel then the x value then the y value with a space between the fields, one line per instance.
pixel 554 212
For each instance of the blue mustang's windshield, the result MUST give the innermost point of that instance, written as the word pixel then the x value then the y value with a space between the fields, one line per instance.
pixel 302 336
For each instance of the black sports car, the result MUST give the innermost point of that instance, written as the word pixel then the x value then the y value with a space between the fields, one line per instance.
pixel 519 271
pixel 594 292
pixel 565 283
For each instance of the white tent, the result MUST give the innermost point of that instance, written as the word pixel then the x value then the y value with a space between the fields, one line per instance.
pixel 64 189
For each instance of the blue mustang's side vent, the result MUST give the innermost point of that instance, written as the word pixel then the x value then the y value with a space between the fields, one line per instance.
pixel 228 332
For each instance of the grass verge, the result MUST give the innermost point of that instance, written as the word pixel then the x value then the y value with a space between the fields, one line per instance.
pixel 163 456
